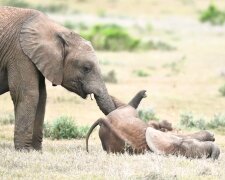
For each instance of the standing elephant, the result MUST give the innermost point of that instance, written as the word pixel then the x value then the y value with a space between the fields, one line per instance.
pixel 32 48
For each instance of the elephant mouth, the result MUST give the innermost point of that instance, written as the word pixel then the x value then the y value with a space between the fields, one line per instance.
pixel 83 95
pixel 77 88
pixel 85 90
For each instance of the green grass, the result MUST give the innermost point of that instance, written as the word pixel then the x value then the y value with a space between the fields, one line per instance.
pixel 141 73
pixel 213 15
pixel 188 120
pixel 217 121
pixel 53 8
pixel 111 37
pixel 147 114
pixel 16 3
pixel 64 127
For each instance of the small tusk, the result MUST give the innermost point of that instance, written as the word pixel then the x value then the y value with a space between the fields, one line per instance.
pixel 91 97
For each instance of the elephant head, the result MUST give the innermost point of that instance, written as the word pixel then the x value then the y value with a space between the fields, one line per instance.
pixel 64 58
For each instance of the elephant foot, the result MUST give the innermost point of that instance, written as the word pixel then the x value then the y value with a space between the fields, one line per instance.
pixel 37 143
pixel 21 145
pixel 37 146
pixel 24 149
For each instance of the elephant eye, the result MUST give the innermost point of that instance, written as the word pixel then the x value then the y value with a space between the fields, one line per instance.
pixel 86 69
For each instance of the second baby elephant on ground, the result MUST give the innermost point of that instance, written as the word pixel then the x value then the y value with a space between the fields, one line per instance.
pixel 122 131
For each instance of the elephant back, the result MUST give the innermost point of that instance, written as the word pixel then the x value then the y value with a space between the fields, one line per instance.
pixel 11 20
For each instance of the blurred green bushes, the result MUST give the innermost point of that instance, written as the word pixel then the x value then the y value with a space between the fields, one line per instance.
pixel 113 37
pixel 15 3
pixel 147 115
pixel 56 7
pixel 107 37
pixel 188 120
pixel 213 15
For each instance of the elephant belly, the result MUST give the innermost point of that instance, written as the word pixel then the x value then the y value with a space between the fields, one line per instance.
pixel 3 82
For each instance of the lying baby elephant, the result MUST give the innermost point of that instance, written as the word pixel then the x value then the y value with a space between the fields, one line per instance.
pixel 122 131
pixel 164 143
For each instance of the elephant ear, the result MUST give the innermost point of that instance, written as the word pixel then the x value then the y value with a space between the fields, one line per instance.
pixel 161 142
pixel 41 41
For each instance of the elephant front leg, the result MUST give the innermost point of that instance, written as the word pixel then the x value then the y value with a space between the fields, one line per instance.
pixel 39 120
pixel 25 110
pixel 23 79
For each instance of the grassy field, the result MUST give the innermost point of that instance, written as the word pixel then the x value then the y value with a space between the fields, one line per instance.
pixel 186 79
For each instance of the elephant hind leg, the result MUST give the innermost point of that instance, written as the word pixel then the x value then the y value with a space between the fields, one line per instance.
pixel 40 113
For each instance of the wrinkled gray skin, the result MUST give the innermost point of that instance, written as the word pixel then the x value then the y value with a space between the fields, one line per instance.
pixel 32 48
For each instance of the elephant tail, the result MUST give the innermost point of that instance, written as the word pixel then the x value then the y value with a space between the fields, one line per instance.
pixel 96 123
pixel 107 124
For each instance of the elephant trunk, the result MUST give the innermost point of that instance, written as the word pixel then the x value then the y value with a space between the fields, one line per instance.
pixel 104 101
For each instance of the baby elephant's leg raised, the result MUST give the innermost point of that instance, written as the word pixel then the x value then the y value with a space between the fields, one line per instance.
pixel 135 101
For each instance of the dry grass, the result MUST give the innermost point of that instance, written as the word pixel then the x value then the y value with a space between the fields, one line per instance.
pixel 68 160
pixel 194 88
